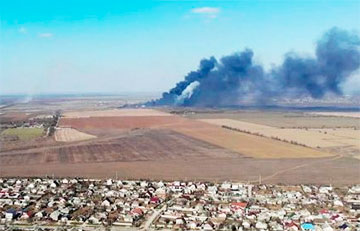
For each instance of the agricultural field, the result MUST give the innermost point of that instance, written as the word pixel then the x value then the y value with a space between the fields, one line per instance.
pixel 23 133
pixel 71 135
pixel 14 116
pixel 245 144
pixel 280 119
pixel 154 144
pixel 184 164
pixel 338 114
pixel 315 138
pixel 249 145
pixel 145 145
pixel 121 123
pixel 115 113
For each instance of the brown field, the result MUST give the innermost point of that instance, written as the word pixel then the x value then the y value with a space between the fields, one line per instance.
pixel 121 123
pixel 147 144
pixel 14 116
pixel 142 145
pixel 115 112
pixel 26 144
pixel 249 145
pixel 342 171
pixel 167 155
pixel 246 144
pixel 71 135
pixel 322 138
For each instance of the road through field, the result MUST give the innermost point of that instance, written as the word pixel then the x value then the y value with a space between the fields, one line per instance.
pixel 173 147
pixel 338 171
pixel 298 167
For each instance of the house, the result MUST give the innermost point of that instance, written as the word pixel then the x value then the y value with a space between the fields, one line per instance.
pixel 106 203
pixel 207 226
pixel 155 200
pixel 9 216
pixel 238 205
pixel 137 212
pixel 261 225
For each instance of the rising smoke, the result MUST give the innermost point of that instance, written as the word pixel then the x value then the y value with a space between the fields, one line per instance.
pixel 236 77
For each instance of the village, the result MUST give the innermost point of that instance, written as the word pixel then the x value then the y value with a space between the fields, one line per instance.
pixel 90 204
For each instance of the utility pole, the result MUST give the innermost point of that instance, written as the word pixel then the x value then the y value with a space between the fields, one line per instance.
pixel 259 179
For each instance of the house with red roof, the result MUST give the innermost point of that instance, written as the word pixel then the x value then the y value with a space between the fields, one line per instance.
pixel 238 205
pixel 137 212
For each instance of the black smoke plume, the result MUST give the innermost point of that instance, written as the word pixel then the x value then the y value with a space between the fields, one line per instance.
pixel 236 77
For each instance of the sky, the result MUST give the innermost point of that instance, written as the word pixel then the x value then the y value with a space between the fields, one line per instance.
pixel 147 46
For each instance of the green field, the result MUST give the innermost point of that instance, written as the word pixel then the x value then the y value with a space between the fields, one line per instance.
pixel 24 133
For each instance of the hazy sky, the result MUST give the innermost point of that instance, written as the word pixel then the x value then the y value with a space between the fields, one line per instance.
pixel 135 46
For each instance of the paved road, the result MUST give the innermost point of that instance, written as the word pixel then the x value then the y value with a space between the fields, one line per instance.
pixel 151 219
pixel 156 213
pixel 146 226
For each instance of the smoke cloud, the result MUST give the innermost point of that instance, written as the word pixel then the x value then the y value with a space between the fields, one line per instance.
pixel 187 93
pixel 236 77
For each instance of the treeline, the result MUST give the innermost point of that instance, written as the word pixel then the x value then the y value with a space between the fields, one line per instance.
pixel 53 124
pixel 262 135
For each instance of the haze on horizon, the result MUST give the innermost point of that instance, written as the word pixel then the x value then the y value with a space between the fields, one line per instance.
pixel 149 46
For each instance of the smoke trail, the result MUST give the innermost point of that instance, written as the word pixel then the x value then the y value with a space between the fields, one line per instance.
pixel 236 77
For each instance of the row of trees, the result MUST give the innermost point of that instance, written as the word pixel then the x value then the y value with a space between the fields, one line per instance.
pixel 53 123
pixel 262 135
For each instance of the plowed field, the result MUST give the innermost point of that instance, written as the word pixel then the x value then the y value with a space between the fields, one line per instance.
pixel 140 146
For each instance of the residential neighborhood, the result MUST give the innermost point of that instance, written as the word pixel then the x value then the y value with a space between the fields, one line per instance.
pixel 180 115
pixel 90 204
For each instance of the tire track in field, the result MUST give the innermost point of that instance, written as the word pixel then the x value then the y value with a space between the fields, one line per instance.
pixel 297 167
